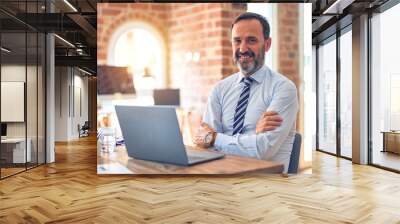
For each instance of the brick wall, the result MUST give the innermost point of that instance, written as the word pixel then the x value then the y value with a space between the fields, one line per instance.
pixel 203 30
pixel 288 58
pixel 288 50
pixel 199 30
pixel 288 43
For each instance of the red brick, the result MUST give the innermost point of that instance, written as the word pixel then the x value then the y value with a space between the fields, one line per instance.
pixel 214 6
pixel 157 7
pixel 287 63
pixel 223 52
pixel 117 6
pixel 140 6
pixel 197 8
pixel 112 12
pixel 222 23
pixel 214 14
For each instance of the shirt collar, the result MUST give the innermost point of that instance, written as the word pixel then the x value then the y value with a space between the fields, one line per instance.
pixel 258 76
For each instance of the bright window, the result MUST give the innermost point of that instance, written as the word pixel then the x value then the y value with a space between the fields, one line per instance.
pixel 327 97
pixel 346 94
pixel 385 84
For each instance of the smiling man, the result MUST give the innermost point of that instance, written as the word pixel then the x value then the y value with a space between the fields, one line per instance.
pixel 253 112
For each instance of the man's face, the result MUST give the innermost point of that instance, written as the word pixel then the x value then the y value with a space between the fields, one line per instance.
pixel 249 45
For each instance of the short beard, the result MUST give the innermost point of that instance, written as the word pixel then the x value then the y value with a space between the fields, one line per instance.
pixel 253 66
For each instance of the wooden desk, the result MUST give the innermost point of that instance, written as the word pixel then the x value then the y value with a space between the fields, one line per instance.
pixel 13 150
pixel 119 162
pixel 391 141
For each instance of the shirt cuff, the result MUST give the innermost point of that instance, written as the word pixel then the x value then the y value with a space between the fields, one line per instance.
pixel 249 143
pixel 222 140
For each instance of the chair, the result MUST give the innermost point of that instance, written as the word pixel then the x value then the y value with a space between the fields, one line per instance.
pixel 84 130
pixel 295 155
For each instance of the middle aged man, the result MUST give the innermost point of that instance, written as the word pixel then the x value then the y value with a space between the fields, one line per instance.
pixel 253 112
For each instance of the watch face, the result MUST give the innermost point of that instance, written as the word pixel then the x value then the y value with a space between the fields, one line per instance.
pixel 208 138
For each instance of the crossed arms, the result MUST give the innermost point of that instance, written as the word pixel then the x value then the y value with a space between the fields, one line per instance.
pixel 272 127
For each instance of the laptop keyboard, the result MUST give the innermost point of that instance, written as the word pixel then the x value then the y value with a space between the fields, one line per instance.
pixel 195 158
pixel 196 155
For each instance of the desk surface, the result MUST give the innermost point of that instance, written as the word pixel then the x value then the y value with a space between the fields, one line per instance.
pixel 119 162
pixel 390 132
pixel 13 140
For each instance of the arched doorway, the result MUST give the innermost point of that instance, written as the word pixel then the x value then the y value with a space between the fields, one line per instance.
pixel 141 48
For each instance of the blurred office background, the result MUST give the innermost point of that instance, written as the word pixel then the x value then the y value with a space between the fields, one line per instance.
pixel 48 83
pixel 22 77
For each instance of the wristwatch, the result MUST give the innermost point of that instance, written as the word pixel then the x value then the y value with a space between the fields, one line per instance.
pixel 209 139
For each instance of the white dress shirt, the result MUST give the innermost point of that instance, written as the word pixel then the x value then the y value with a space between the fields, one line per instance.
pixel 270 91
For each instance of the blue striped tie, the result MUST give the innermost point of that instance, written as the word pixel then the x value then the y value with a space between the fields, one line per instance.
pixel 240 111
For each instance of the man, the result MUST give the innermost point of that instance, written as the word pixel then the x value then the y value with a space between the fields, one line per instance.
pixel 253 112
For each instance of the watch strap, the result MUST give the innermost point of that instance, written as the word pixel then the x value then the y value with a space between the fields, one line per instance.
pixel 214 136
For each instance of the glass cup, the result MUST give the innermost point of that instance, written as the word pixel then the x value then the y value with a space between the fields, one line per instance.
pixel 107 140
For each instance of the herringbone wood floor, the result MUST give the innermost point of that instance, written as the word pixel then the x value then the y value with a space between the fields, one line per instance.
pixel 70 191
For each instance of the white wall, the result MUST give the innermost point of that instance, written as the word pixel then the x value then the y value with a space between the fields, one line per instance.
pixel 50 95
pixel 61 103
pixel 33 127
pixel 80 118
pixel 79 112
pixel 71 94
pixel 16 73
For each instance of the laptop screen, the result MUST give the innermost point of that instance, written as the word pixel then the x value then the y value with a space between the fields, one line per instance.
pixel 3 129
pixel 166 97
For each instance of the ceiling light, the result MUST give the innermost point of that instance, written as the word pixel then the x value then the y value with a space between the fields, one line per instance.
pixel 79 51
pixel 337 7
pixel 70 5
pixel 86 72
pixel 64 40
pixel 5 49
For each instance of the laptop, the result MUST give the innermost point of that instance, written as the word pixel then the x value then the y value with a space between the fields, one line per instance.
pixel 152 133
